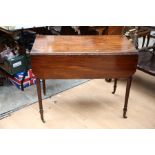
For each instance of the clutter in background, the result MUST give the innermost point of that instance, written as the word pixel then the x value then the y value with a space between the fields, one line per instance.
pixel 8 54
pixel 24 79
pixel 15 59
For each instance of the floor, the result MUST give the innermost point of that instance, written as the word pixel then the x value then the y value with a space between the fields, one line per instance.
pixel 13 99
pixel 91 105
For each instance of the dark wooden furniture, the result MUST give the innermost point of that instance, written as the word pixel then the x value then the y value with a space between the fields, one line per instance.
pixel 79 57
pixel 114 30
pixel 146 60
pixel 146 55
pixel 144 33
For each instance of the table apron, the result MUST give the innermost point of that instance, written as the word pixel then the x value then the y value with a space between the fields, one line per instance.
pixel 83 66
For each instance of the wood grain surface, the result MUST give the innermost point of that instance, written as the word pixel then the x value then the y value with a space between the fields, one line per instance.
pixel 83 66
pixel 82 44
pixel 70 57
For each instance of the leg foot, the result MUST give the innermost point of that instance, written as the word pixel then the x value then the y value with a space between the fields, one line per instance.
pixel 124 113
pixel 127 96
pixel 42 115
pixel 115 86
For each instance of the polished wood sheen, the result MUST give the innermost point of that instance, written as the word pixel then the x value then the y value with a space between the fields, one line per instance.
pixel 105 44
pixel 78 57
pixel 83 66
pixel 83 57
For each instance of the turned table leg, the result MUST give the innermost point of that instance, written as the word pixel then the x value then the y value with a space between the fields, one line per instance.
pixel 127 96
pixel 115 86
pixel 44 86
pixel 40 99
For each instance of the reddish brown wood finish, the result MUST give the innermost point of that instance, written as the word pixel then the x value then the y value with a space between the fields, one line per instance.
pixel 114 30
pixel 76 57
pixel 66 57
pixel 105 44
pixel 83 66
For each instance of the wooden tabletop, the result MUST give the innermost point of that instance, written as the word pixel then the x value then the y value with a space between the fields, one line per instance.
pixel 105 44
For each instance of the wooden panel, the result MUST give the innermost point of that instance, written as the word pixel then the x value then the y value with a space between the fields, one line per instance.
pixel 82 44
pixel 65 57
pixel 83 66
pixel 114 30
